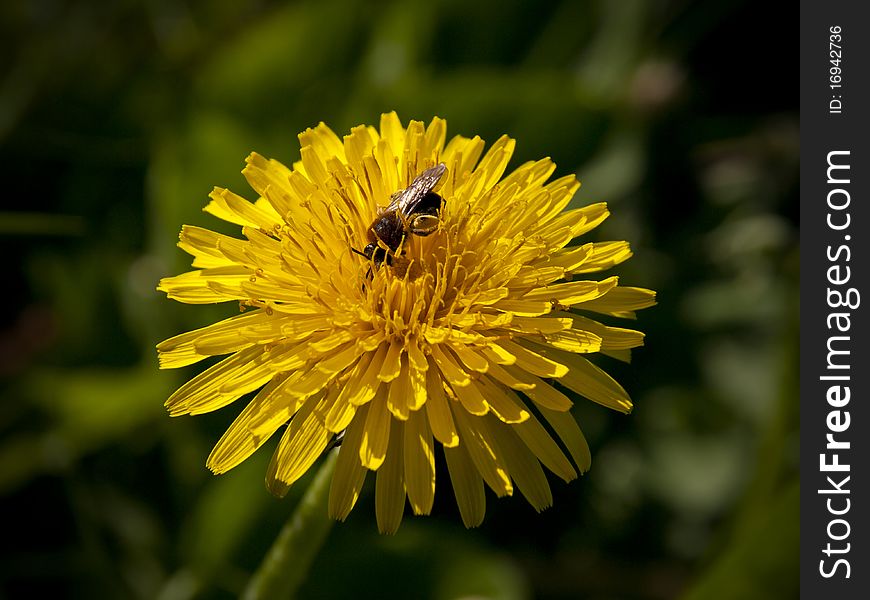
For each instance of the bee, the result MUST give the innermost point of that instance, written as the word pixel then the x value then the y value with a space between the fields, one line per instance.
pixel 413 210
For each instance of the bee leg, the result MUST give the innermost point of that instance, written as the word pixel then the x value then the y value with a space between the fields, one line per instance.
pixel 423 224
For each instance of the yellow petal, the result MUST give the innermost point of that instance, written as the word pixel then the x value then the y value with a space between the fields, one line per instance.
pixel 291 357
pixel 419 463
pixel 524 468
pixel 391 364
pixel 233 208
pixel 181 350
pixel 448 366
pixel 574 340
pixel 570 259
pixel 207 286
pixel 491 167
pixel 239 442
pixel 573 292
pixel 522 381
pixel 400 392
pixel 593 216
pixel 484 320
pixel 612 338
pixel 392 131
pixel 201 242
pixel 323 141
pixel 362 383
pixel 530 361
pixel 542 445
pixel 438 411
pixel 436 133
pixel 203 393
pixel 267 207
pixel 503 403
pixel 530 276
pixel 495 354
pixel 590 381
pixel 264 174
pixel 569 432
pixel 470 359
pixel 357 146
pixel 349 476
pixel 560 191
pixel 390 484
pixel 275 486
pixel 313 166
pixel 340 359
pixel 540 392
pixel 309 383
pixel 385 155
pixel 477 440
pixel 265 330
pixel 305 441
pixel 539 325
pixel 376 435
pixel 623 355
pixel 531 174
pixel 471 398
pixel 411 161
pixel 281 409
pixel 332 341
pixel 467 485
pixel 604 255
pixel 417 380
pixel 621 301
pixel 460 155
pixel 416 356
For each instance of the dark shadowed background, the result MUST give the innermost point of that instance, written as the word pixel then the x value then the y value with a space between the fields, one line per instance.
pixel 117 118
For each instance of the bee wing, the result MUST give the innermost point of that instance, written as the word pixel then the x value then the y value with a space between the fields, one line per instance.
pixel 406 200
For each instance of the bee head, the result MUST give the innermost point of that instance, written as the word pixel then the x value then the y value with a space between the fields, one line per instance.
pixel 376 254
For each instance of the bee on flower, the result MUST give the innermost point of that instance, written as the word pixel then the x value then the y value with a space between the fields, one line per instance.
pixel 401 294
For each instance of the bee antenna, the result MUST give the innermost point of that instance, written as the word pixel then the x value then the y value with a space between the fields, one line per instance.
pixel 354 250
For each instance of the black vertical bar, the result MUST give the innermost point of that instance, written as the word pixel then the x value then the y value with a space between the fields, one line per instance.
pixel 835 226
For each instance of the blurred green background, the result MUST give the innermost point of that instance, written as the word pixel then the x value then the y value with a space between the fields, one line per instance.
pixel 116 119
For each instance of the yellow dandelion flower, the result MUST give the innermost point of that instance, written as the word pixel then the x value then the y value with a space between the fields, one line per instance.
pixel 463 333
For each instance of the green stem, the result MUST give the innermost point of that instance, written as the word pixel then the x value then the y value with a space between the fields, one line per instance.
pixel 286 564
